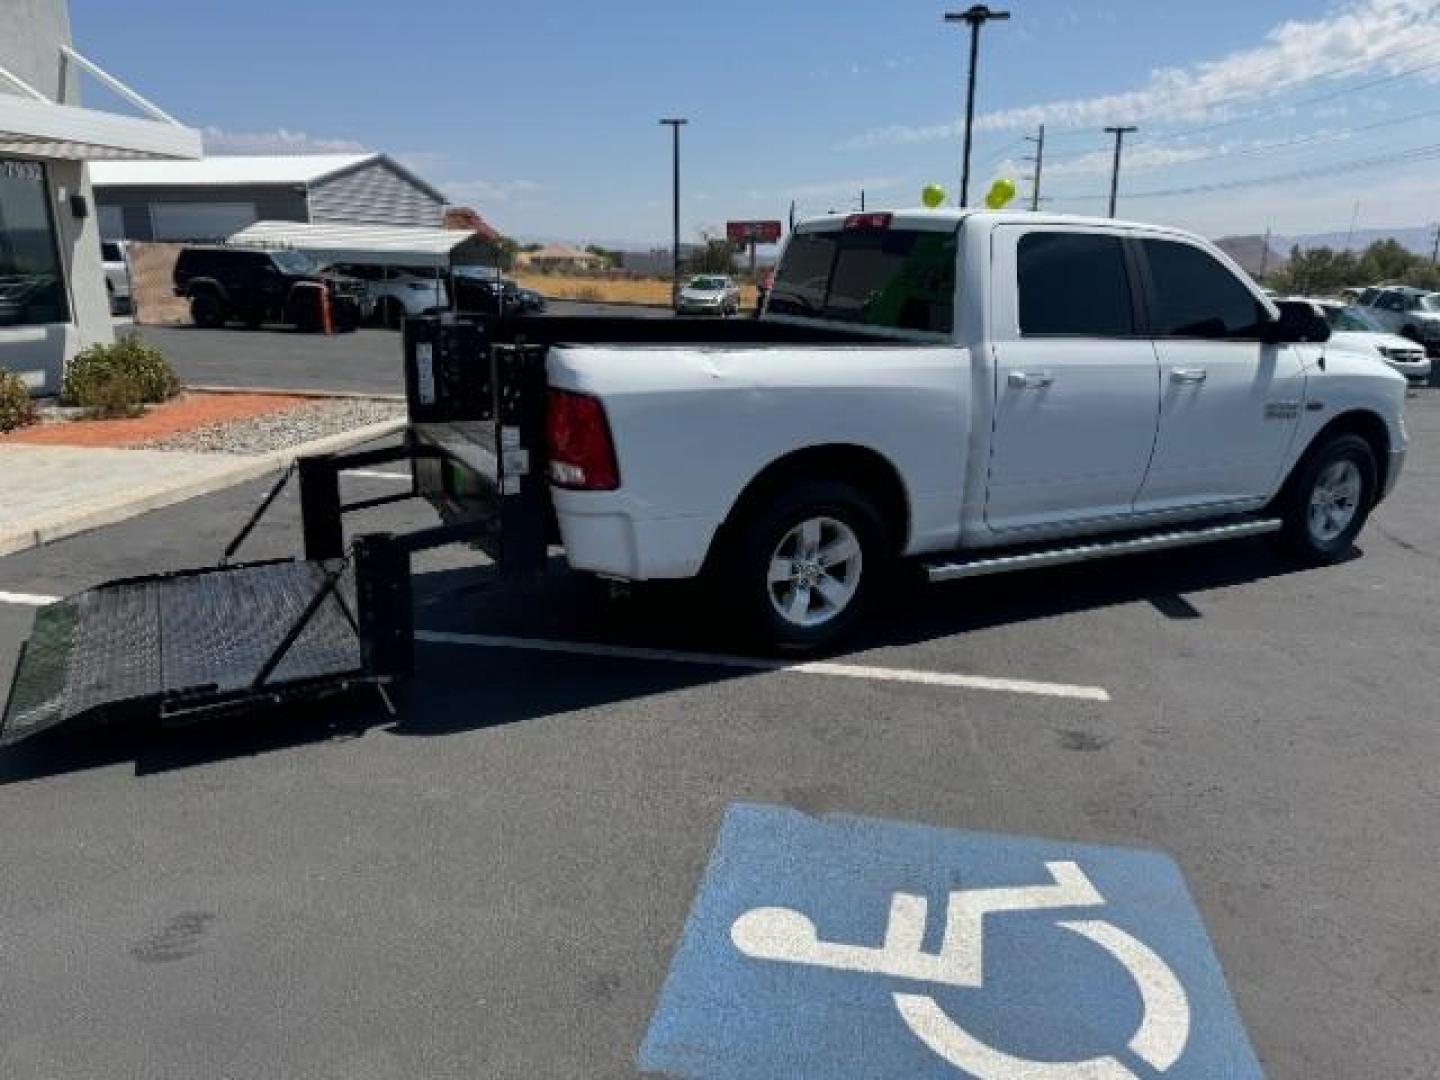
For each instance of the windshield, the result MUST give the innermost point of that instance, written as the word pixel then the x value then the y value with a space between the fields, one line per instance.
pixel 900 278
pixel 708 283
pixel 1349 318
pixel 294 262
pixel 1430 302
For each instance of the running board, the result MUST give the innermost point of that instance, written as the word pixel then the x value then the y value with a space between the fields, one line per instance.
pixel 1130 544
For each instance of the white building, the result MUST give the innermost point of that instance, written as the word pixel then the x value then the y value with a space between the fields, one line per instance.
pixel 216 197
pixel 52 288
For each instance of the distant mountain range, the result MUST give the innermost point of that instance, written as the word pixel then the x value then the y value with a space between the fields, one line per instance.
pixel 1249 251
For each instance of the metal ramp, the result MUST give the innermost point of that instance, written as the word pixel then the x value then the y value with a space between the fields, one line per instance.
pixel 232 638
pixel 188 642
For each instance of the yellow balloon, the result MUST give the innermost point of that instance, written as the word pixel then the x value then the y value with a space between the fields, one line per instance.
pixel 932 195
pixel 1001 192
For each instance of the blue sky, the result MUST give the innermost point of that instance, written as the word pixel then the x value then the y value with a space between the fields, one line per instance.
pixel 543 115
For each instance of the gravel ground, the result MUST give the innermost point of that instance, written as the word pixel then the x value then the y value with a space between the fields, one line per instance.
pixel 275 431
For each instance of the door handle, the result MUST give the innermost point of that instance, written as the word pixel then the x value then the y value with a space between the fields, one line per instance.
pixel 1027 380
pixel 1187 374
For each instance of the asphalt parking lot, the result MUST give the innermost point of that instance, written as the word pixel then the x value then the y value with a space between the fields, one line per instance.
pixel 366 361
pixel 495 882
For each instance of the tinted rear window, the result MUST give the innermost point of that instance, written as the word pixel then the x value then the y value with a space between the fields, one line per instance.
pixel 898 278
pixel 110 252
pixel 1074 284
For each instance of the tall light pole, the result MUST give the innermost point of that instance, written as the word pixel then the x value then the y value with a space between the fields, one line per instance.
pixel 975 17
pixel 1119 133
pixel 675 124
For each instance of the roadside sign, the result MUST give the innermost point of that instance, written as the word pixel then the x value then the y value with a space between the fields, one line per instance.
pixel 752 232
pixel 852 947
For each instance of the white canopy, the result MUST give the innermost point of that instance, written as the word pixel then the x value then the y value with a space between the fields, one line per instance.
pixel 374 245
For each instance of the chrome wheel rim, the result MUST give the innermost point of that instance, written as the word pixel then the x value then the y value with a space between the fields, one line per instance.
pixel 1334 500
pixel 814 571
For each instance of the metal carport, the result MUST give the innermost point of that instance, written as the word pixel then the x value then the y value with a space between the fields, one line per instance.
pixel 372 245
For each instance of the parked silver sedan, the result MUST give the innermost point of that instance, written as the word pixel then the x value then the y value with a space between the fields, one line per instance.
pixel 709 294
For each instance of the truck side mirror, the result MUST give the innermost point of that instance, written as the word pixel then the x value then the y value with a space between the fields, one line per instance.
pixel 1297 323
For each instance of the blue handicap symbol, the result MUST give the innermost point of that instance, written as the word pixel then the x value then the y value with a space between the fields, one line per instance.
pixel 851 947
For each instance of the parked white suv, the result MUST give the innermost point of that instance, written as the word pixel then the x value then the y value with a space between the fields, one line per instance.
pixel 116 263
pixel 1409 312
pixel 1355 328
pixel 396 292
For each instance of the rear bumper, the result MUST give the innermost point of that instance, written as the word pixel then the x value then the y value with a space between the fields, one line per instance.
pixel 604 535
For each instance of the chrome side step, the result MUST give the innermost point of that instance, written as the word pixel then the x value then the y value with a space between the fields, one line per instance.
pixel 1102 548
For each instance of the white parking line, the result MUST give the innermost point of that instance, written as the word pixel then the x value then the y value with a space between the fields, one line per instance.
pixel 375 475
pixel 807 667
pixel 27 599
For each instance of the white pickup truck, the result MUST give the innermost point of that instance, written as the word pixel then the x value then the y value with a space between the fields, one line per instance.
pixel 976 391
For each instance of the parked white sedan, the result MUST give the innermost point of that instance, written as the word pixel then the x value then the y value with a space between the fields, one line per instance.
pixel 115 261
pixel 1356 329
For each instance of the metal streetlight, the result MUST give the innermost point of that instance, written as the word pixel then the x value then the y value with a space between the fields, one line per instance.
pixel 675 124
pixel 976 17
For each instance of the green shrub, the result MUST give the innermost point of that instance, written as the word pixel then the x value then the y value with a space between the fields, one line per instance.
pixel 16 408
pixel 112 393
pixel 129 368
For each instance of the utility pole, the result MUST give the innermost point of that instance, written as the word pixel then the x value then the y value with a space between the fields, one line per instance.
pixel 675 124
pixel 1265 252
pixel 1435 246
pixel 1119 133
pixel 792 215
pixel 975 17
pixel 1039 159
pixel 862 200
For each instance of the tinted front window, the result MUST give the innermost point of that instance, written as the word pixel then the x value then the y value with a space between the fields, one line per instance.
pixel 1075 284
pixel 294 262
pixel 1197 297
pixel 32 288
pixel 1352 319
pixel 899 278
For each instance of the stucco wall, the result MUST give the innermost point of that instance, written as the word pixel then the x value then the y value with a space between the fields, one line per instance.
pixel 31 33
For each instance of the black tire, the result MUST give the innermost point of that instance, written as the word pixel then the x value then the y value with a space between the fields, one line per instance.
pixel 1308 528
pixel 745 568
pixel 207 311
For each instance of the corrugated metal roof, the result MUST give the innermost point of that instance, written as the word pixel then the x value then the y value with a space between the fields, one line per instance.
pixel 226 169
pixel 380 245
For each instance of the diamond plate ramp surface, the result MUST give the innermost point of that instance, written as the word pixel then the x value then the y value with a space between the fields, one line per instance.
pixel 205 633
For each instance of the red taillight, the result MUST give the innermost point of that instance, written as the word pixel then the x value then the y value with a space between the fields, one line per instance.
pixel 581 453
pixel 868 221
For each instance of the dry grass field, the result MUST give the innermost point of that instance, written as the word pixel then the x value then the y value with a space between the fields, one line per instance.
pixel 602 290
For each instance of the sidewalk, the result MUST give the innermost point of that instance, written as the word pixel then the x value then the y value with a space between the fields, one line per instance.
pixel 47 492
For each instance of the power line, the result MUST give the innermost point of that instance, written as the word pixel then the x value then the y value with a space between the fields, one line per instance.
pixel 1299 142
pixel 1277 109
pixel 1426 152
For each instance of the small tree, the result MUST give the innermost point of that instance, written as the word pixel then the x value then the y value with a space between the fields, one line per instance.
pixel 716 255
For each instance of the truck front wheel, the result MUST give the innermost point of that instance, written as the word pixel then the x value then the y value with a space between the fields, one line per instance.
pixel 805 562
pixel 1329 499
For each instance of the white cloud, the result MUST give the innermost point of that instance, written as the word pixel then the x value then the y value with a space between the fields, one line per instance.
pixel 487 191
pixel 1362 36
pixel 1137 159
pixel 279 141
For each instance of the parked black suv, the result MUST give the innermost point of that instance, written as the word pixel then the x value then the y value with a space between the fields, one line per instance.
pixel 256 287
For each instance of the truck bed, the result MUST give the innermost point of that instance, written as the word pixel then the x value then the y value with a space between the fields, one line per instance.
pixel 605 330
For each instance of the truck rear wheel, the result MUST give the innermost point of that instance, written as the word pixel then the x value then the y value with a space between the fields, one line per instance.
pixel 1328 500
pixel 804 564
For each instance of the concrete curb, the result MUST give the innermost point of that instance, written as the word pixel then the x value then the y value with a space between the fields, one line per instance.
pixel 248 467
pixel 281 391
